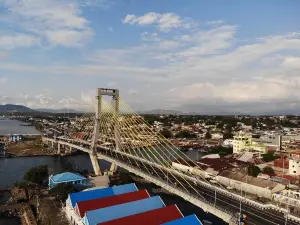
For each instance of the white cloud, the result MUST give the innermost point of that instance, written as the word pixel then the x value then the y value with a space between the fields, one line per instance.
pixel 3 80
pixel 291 62
pixel 68 38
pixel 164 22
pixel 88 97
pixel 3 54
pixel 48 20
pixel 215 22
pixel 18 40
pixel 42 99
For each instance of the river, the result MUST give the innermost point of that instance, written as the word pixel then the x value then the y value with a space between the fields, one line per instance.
pixel 14 127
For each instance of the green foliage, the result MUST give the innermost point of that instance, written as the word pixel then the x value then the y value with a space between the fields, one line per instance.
pixel 207 135
pixel 269 157
pixel 166 133
pixel 222 151
pixel 220 126
pixel 253 171
pixel 269 170
pixel 37 174
pixel 185 134
pixel 227 136
pixel 21 184
pixel 62 190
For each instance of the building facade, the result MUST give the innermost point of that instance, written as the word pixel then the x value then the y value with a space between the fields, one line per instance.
pixel 66 177
pixel 243 142
pixel 294 166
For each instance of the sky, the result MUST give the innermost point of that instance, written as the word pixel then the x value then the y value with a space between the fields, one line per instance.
pixel 204 56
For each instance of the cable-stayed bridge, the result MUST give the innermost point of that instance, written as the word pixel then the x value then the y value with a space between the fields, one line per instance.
pixel 117 134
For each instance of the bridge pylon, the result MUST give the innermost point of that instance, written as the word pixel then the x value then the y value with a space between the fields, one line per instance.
pixel 93 154
pixel 116 104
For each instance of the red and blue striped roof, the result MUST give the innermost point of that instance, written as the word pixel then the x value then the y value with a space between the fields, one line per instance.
pixel 125 205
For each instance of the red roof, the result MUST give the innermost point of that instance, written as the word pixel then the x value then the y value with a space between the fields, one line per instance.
pixel 82 207
pixel 153 217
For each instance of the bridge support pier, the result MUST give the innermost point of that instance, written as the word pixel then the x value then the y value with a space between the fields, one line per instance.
pixel 52 144
pixel 113 168
pixel 58 149
pixel 95 164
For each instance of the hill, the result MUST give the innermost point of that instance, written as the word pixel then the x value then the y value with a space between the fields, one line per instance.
pixel 15 108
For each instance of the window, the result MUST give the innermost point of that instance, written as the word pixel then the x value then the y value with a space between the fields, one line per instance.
pixel 294 171
pixel 293 166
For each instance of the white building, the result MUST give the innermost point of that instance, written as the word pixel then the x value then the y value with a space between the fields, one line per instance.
pixel 216 136
pixel 228 142
pixel 294 166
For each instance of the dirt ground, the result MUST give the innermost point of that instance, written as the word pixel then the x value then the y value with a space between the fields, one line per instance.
pixel 50 212
pixel 28 148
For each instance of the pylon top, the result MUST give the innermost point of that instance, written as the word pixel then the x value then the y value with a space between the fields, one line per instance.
pixel 108 92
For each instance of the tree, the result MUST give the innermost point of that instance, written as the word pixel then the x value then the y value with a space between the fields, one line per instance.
pixel 220 126
pixel 227 136
pixel 269 157
pixel 185 134
pixel 61 191
pixel 166 133
pixel 253 170
pixel 37 174
pixel 207 135
pixel 269 170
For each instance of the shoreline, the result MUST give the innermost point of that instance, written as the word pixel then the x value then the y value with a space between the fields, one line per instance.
pixel 40 155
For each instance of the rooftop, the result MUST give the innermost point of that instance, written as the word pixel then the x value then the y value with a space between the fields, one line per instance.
pixel 67 176
pixel 249 179
pixel 221 164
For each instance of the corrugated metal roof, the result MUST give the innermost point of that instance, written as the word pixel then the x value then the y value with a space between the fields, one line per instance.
pixel 64 177
pixel 118 211
pixel 188 220
pixel 121 189
pixel 99 203
pixel 153 217
pixel 101 193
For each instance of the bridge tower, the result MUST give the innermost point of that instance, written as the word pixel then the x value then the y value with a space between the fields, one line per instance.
pixel 115 101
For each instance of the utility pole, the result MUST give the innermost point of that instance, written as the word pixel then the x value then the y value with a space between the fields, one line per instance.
pixel 240 214
pixel 215 197
pixel 287 205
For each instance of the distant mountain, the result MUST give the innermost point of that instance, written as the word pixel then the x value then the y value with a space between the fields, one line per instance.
pixel 161 111
pixel 15 108
pixel 58 110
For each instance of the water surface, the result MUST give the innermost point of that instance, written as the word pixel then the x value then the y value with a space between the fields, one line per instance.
pixel 14 127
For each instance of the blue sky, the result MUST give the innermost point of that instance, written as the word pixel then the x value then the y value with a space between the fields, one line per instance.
pixel 204 56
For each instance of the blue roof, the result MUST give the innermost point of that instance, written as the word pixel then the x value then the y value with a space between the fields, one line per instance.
pixel 64 177
pixel 190 220
pixel 97 216
pixel 101 193
pixel 121 189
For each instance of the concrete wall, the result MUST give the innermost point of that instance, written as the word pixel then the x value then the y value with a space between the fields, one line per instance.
pixel 249 188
